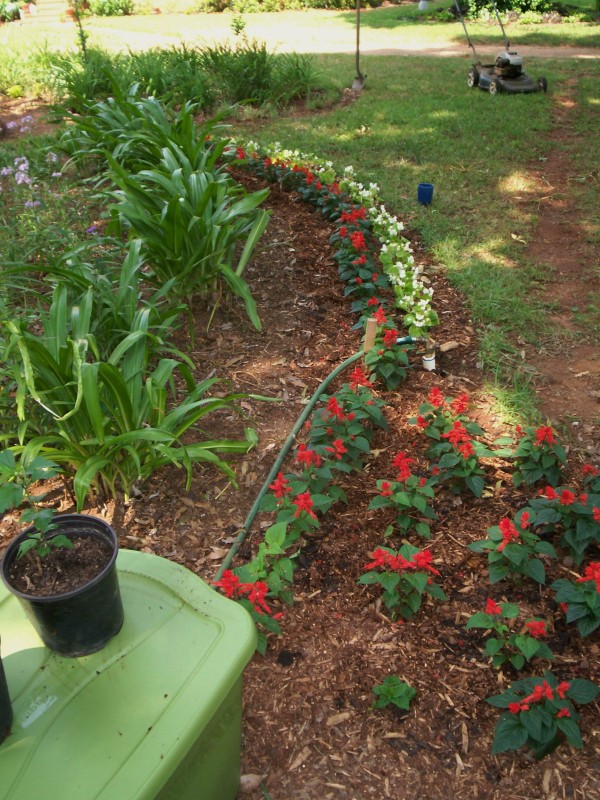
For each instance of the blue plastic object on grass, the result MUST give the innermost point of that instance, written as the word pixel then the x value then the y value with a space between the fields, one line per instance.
pixel 425 193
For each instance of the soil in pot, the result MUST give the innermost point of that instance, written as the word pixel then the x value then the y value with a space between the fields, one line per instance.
pixel 62 570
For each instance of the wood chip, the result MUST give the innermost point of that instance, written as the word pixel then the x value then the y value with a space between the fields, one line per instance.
pixel 300 758
pixel 337 719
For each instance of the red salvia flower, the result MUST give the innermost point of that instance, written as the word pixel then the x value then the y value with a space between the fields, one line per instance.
pixel 334 409
pixel 509 533
pixel 386 489
pixel 373 301
pixel 303 502
pixel 536 629
pixel 307 456
pixel 562 689
pixel 423 560
pixel 590 469
pixel 337 450
pixel 358 240
pixel 460 405
pixel 524 521
pixel 567 498
pixel 280 486
pixel 359 378
pixel 379 316
pixel 436 398
pixel 596 514
pixel 422 422
pixel 229 583
pixel 591 573
pixel 402 463
pixel 389 337
pixel 492 607
pixel 544 435
pixel 564 712
pixel 549 493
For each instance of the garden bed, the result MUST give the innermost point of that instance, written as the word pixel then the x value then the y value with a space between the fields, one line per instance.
pixel 309 727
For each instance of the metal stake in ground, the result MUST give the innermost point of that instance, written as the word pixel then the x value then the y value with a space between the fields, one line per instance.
pixel 360 79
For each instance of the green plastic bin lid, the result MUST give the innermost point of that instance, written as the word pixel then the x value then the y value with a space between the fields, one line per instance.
pixel 115 724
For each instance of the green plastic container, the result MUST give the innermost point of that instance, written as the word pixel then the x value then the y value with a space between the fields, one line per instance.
pixel 155 714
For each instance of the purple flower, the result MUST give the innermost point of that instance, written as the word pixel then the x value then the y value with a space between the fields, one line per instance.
pixel 11 125
pixel 32 204
pixel 92 229
pixel 6 171
pixel 57 174
pixel 22 177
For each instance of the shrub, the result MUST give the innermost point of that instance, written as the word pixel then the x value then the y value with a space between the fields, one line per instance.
pixel 111 8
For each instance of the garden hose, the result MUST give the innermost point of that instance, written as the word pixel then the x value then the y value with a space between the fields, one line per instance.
pixel 243 533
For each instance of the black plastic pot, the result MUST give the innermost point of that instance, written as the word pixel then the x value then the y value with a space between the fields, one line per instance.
pixel 6 714
pixel 82 621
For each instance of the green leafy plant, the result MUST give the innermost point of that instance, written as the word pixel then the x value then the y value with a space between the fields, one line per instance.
pixel 457 453
pixel 577 516
pixel 192 223
pixel 404 576
pixel 581 599
pixel 252 595
pixel 17 478
pixel 394 692
pixel 540 713
pixel 514 550
pixel 108 422
pixel 341 433
pixel 505 645
pixel 410 495
pixel 539 456
pixel 388 360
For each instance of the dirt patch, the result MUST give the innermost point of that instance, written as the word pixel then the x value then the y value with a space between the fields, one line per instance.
pixel 568 364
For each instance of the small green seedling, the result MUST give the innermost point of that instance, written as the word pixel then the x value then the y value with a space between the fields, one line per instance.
pixel 393 691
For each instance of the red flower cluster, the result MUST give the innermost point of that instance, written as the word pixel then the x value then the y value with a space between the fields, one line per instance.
pixel 358 240
pixel 280 486
pixel 303 502
pixel 595 514
pixel 509 533
pixel 591 470
pixel 492 607
pixel 389 337
pixel 383 559
pixel 436 398
pixel 402 463
pixel 379 316
pixel 461 404
pixel 386 489
pixel 358 212
pixel 542 692
pixel 591 573
pixel 459 438
pixel 359 378
pixel 536 629
pixel 334 410
pixel 544 435
pixel 337 450
pixel 308 457
pixel 232 587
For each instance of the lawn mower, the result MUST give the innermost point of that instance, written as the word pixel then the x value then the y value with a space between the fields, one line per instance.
pixel 506 73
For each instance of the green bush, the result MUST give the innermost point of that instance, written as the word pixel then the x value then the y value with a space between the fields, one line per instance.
pixel 8 10
pixel 474 8
pixel 111 8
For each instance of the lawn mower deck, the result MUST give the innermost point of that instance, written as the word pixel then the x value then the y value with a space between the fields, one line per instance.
pixel 505 75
